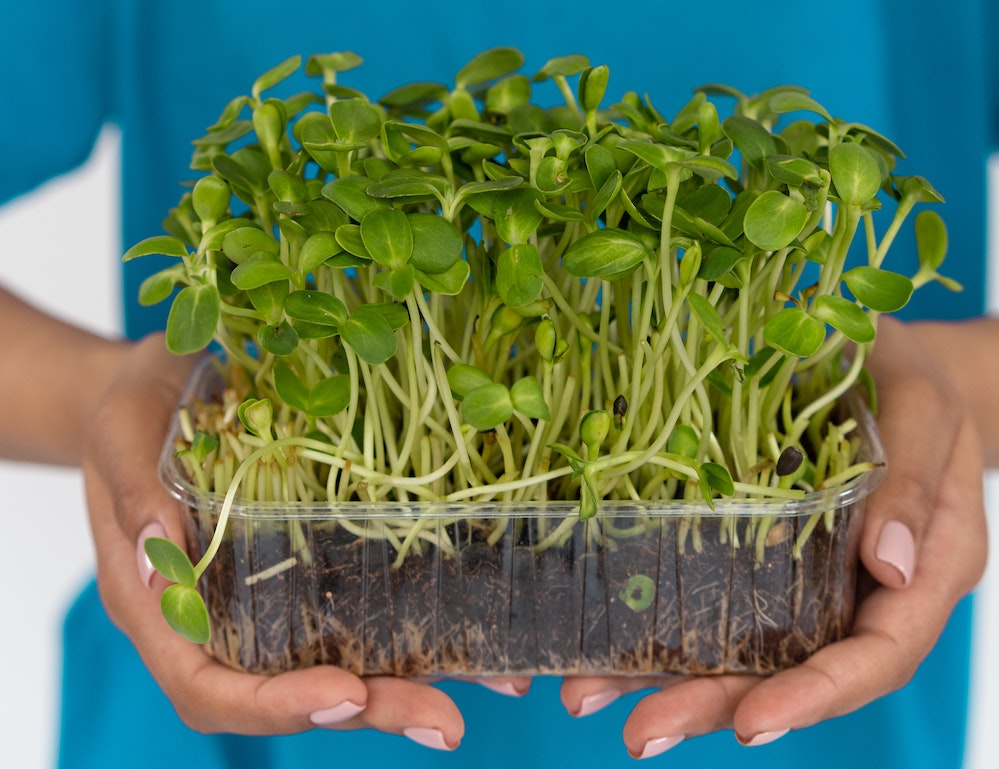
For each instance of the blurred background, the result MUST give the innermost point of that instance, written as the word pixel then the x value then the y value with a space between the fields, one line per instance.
pixel 47 548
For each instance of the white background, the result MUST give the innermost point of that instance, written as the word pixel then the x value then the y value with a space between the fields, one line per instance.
pixel 47 550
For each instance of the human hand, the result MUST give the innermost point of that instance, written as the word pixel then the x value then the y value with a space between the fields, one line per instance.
pixel 128 504
pixel 924 543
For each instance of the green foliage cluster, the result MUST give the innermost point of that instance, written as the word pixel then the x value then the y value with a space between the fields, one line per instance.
pixel 456 294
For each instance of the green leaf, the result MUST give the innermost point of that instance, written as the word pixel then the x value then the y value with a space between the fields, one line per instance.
pixel 242 243
pixel 387 236
pixel 257 416
pixel 592 87
pixel 774 220
pixel 881 290
pixel 931 240
pixel 717 262
pixel 437 244
pixel 608 253
pixel 350 194
pixel 528 398
pixel 684 442
pixel 159 244
pixel 562 66
pixel 753 141
pixel 600 165
pixel 795 332
pixel 409 183
pixel 856 173
pixel 315 307
pixel 330 396
pixel 845 316
pixel 328 64
pixel 289 387
pixel 355 121
pixel 448 283
pixel 796 101
pixel 718 478
pixel 487 406
pixel 392 313
pixel 259 270
pixel 515 216
pixel 370 336
pixel 517 271
pixel 317 248
pixel 193 318
pixel 397 283
pixel 348 237
pixel 462 378
pixel 606 195
pixel 269 299
pixel 185 612
pixel 279 339
pixel 157 287
pixel 489 65
pixel 275 75
pixel 708 315
pixel 170 560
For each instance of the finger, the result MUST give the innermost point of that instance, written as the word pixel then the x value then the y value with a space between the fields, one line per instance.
pixel 410 709
pixel 893 630
pixel 510 686
pixel 583 695
pixel 689 708
pixel 918 419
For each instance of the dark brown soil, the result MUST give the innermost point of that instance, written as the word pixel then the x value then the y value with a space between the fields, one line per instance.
pixel 579 607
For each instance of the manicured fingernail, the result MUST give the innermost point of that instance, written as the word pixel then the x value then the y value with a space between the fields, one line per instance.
pixel 337 714
pixel 595 702
pixel 657 746
pixel 146 569
pixel 763 738
pixel 503 687
pixel 897 548
pixel 428 738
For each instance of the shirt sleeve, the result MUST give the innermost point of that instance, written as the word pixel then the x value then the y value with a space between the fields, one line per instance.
pixel 53 67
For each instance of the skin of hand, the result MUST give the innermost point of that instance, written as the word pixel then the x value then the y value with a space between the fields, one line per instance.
pixel 127 503
pixel 924 543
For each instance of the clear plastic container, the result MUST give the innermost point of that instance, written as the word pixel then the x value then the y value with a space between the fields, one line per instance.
pixel 644 588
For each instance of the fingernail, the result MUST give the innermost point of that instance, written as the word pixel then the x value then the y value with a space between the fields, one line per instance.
pixel 763 738
pixel 897 548
pixel 657 746
pixel 335 715
pixel 503 687
pixel 146 569
pixel 428 738
pixel 595 702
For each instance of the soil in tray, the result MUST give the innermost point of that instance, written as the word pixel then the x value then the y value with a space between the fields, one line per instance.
pixel 577 607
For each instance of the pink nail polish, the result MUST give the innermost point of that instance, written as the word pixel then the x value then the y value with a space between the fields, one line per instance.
pixel 146 569
pixel 502 687
pixel 897 548
pixel 658 745
pixel 428 738
pixel 336 714
pixel 594 702
pixel 764 738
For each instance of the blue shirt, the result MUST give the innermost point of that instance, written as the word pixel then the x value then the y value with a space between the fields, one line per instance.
pixel 918 71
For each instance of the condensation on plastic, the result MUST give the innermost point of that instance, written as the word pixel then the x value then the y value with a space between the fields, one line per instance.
pixel 644 588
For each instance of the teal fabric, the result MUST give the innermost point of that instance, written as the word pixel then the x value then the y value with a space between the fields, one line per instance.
pixel 917 70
